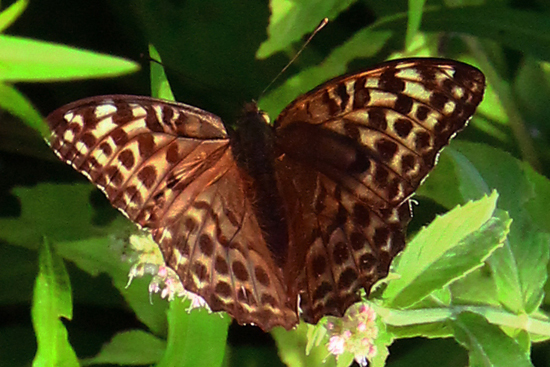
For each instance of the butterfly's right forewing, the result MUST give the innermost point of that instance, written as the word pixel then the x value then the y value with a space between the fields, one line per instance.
pixel 351 153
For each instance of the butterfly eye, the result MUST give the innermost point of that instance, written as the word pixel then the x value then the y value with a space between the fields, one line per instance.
pixel 265 117
pixel 319 214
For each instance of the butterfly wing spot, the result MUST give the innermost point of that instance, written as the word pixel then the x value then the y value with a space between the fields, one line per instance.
pixel 457 92
pixel 147 176
pixel 387 149
pixel 126 159
pixel 340 253
pixel 104 110
pixel 119 137
pixel 206 245
pixel 261 276
pixel 201 273
pixel 221 266
pixel 403 104
pixel 421 113
pixel 101 127
pixel 390 82
pixel 146 145
pixel 361 94
pixel 239 270
pixel 68 136
pixel 172 154
pixel 223 290
pixel 152 118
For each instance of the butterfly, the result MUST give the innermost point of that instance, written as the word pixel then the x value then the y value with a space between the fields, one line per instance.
pixel 270 223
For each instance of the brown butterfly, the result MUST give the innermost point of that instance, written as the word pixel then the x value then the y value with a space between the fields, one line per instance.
pixel 260 220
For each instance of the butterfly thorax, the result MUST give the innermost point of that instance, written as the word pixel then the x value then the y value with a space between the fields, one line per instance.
pixel 253 143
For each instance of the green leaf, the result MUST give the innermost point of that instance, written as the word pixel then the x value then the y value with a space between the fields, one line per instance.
pixel 15 103
pixel 290 20
pixel 10 15
pixel 63 213
pixel 134 347
pixel 160 88
pixel 197 338
pixel 445 251
pixel 537 204
pixel 487 344
pixel 292 345
pixel 526 31
pixel 60 212
pixel 414 21
pixel 104 255
pixel 440 186
pixel 520 268
pixel 439 329
pixel 52 300
pixel 28 60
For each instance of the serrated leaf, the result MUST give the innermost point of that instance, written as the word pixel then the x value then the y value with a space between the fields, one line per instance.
pixel 444 251
pixel 487 344
pixel 519 269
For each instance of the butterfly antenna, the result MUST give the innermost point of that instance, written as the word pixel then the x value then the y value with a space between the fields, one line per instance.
pixel 319 27
pixel 148 58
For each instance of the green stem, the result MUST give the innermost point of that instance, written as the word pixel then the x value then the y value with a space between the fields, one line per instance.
pixel 493 315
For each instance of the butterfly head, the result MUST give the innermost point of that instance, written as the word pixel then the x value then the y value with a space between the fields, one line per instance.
pixel 251 111
pixel 253 129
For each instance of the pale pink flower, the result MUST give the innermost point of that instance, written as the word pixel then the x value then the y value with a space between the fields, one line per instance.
pixel 336 345
pixel 354 333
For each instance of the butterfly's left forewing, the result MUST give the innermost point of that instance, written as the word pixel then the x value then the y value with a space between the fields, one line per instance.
pixel 351 153
pixel 169 167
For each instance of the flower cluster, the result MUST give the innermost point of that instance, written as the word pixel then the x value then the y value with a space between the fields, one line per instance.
pixel 354 333
pixel 149 260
